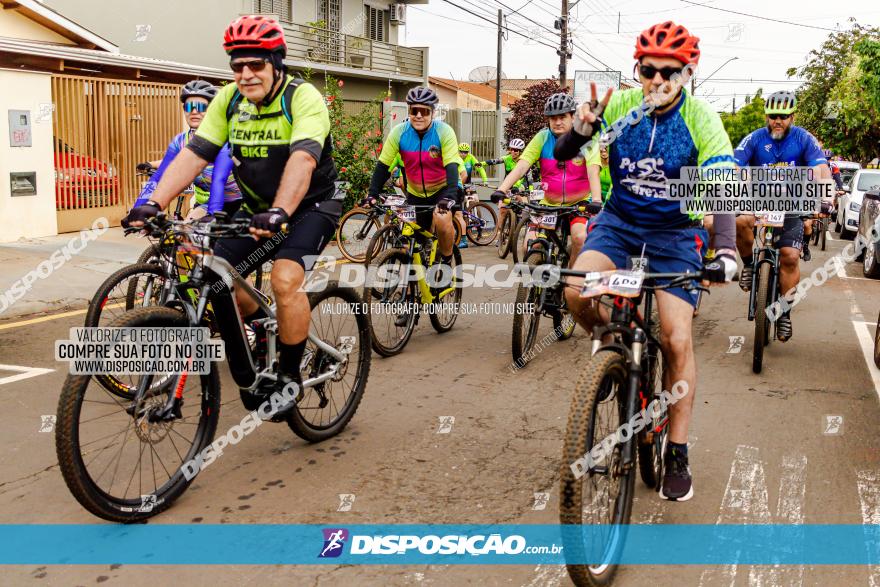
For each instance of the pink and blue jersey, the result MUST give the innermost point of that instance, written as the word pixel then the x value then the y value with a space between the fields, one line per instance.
pixel 214 186
pixel 424 157
pixel 566 183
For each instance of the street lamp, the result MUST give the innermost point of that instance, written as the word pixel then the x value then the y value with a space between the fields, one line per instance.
pixel 704 80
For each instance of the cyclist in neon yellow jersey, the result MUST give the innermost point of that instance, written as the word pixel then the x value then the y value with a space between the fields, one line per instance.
pixel 468 164
pixel 278 128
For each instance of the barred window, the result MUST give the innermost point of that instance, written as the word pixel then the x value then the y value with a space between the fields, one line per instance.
pixel 376 25
pixel 283 8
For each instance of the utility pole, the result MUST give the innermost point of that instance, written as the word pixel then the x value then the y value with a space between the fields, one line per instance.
pixel 562 25
pixel 733 107
pixel 499 117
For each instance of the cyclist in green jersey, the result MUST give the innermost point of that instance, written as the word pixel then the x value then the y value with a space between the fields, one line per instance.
pixel 514 150
pixel 468 164
pixel 279 130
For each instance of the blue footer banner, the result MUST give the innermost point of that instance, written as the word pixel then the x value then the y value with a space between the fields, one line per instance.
pixel 410 544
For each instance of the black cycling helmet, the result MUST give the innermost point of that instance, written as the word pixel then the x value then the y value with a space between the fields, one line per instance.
pixel 559 104
pixel 198 88
pixel 422 95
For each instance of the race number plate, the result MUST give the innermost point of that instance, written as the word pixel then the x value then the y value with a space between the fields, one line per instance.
pixel 547 221
pixel 472 198
pixel 626 284
pixel 407 213
pixel 536 196
pixel 394 201
pixel 771 219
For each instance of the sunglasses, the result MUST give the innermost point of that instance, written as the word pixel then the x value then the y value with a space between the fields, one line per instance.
pixel 649 71
pixel 779 116
pixel 255 65
pixel 191 107
pixel 420 112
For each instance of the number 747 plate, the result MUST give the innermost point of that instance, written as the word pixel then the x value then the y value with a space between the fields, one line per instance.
pixel 626 284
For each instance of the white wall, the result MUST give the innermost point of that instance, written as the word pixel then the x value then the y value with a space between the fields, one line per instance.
pixel 27 216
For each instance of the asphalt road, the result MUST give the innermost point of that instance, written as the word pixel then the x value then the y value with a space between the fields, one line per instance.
pixel 760 448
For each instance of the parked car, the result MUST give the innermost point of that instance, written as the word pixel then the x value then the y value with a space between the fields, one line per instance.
pixel 848 170
pixel 867 217
pixel 849 204
pixel 81 181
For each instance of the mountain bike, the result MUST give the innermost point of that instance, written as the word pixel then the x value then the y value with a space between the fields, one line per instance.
pixel 390 236
pixel 820 229
pixel 624 375
pixel 395 300
pixel 507 227
pixel 122 454
pixel 549 247
pixel 765 282
pixel 518 243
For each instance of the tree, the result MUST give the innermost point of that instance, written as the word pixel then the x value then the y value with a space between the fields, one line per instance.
pixel 528 112
pixel 832 96
pixel 745 120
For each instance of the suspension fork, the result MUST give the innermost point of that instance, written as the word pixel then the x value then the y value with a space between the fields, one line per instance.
pixel 632 396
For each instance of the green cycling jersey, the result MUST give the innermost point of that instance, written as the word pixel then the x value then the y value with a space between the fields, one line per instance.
pixel 509 164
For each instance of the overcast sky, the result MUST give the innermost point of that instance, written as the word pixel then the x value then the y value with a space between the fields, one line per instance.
pixel 460 42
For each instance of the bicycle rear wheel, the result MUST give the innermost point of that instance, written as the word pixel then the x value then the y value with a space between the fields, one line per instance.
pixel 518 240
pixel 391 300
pixel 356 230
pixel 651 440
pixel 324 410
pixel 118 462
pixel 387 237
pixel 482 229
pixel 526 317
pixel 823 236
pixel 447 300
pixel 600 494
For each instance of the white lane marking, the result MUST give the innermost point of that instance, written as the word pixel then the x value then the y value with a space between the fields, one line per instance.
pixel 863 333
pixel 869 499
pixel 24 373
pixel 745 501
pixel 546 575
pixel 789 510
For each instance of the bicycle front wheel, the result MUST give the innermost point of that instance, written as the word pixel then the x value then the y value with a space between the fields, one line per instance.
pixel 324 410
pixel 504 231
pixel 355 231
pixel 519 240
pixel 596 494
pixel 527 315
pixel 447 296
pixel 391 301
pixel 762 322
pixel 482 227
pixel 121 461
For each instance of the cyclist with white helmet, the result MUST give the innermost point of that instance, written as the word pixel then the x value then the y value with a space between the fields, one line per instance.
pixel 514 151
pixel 215 187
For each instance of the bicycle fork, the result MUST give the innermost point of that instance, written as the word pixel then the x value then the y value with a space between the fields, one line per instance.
pixel 632 396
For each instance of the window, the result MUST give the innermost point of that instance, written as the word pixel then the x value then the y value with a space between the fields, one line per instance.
pixel 376 25
pixel 868 181
pixel 283 8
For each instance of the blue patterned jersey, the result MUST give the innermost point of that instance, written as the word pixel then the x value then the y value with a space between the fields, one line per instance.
pixel 798 148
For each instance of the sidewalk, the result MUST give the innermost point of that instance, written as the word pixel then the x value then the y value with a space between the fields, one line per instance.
pixel 72 285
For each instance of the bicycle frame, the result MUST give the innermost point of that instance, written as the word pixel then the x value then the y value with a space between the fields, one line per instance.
pixel 412 232
pixel 765 254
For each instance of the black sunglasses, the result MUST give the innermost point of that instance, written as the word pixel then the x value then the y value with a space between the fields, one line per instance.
pixel 779 116
pixel 254 65
pixel 420 111
pixel 649 71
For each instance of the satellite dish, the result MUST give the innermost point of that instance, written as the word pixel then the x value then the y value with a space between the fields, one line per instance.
pixel 484 74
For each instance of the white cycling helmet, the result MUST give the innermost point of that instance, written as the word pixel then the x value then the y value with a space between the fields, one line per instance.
pixel 517 144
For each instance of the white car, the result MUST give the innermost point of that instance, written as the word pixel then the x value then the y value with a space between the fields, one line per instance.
pixel 850 203
pixel 848 170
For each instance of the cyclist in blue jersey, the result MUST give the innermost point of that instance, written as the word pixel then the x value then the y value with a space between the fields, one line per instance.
pixel 655 131
pixel 779 144
pixel 215 187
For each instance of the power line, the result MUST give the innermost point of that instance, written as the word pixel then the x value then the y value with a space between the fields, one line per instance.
pixel 482 26
pixel 504 27
pixel 808 26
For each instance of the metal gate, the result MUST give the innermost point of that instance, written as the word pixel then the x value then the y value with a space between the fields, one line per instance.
pixel 103 128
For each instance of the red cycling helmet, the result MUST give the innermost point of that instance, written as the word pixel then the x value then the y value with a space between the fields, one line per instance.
pixel 668 40
pixel 254 32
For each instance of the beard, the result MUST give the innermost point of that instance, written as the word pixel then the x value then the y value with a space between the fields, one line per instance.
pixel 777 135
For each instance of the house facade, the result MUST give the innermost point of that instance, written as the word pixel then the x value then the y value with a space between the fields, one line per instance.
pixel 352 40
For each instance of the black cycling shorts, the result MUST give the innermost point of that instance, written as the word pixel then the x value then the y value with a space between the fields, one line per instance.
pixel 309 231
pixel 424 218
pixel 792 233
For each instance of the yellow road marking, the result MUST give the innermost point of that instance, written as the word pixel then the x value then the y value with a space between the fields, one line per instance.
pixel 52 317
